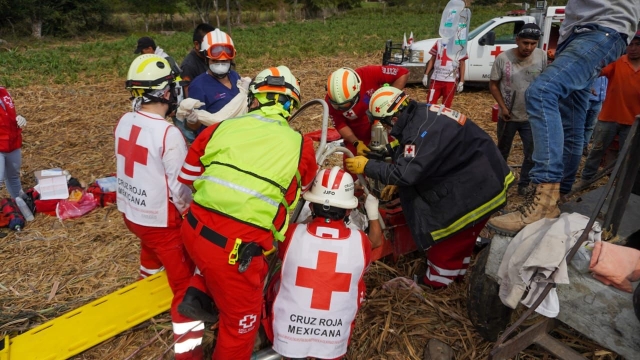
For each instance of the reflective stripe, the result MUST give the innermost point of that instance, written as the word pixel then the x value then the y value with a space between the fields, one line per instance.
pixel 239 188
pixel 187 345
pixel 192 168
pixel 463 271
pixel 476 214
pixel 442 271
pixel 151 271
pixel 187 176
pixel 197 272
pixel 264 119
pixel 183 328
pixel 466 260
pixel 438 279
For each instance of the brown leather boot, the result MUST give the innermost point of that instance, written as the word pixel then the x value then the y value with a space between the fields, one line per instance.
pixel 540 203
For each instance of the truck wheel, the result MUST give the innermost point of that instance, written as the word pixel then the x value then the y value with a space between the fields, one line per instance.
pixel 486 312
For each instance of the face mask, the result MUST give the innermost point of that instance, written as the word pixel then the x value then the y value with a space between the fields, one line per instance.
pixel 220 68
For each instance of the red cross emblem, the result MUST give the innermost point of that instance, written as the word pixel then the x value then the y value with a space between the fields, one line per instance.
pixel 323 280
pixel 132 152
pixel 353 87
pixel 409 150
pixel 377 109
pixel 444 58
pixel 497 51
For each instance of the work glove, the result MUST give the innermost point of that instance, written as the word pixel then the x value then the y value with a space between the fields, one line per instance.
pixel 356 165
pixel 186 107
pixel 371 207
pixel 425 80
pixel 244 83
pixel 361 148
pixel 460 86
pixel 388 192
pixel 192 118
pixel 22 122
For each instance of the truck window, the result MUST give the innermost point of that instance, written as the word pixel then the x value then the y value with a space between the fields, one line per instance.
pixel 479 29
pixel 506 33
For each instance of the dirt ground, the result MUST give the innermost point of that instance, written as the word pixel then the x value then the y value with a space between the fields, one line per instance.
pixel 52 267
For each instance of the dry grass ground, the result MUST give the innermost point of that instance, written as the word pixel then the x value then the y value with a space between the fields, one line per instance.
pixel 52 267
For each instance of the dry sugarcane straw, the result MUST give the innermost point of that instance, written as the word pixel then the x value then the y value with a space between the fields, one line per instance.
pixel 585 234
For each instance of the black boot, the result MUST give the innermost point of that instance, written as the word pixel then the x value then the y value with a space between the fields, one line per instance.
pixel 197 305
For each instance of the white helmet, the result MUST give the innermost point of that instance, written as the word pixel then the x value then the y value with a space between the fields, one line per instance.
pixel 386 102
pixel 333 187
pixel 217 45
pixel 343 88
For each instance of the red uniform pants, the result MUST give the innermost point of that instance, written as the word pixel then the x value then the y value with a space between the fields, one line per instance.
pixel 443 89
pixel 449 259
pixel 163 247
pixel 238 296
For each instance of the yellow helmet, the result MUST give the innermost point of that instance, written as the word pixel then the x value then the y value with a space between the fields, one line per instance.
pixel 385 103
pixel 343 88
pixel 217 45
pixel 149 72
pixel 277 80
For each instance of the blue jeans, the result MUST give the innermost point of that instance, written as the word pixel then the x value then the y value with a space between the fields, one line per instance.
pixel 557 103
pixel 603 136
pixel 506 132
pixel 10 171
pixel 590 120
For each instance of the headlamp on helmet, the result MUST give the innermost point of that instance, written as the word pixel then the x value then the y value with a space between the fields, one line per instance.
pixel 149 72
pixel 277 80
pixel 385 103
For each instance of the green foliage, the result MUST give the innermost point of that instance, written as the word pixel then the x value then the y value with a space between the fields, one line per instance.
pixel 362 31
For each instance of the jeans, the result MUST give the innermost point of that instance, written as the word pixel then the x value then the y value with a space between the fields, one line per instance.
pixel 10 171
pixel 603 136
pixel 506 132
pixel 590 120
pixel 557 102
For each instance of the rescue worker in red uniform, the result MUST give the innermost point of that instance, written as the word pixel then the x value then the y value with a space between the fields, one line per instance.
pixel 11 126
pixel 149 155
pixel 449 174
pixel 248 173
pixel 349 92
pixel 321 282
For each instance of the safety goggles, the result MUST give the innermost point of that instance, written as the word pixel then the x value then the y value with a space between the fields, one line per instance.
pixel 530 33
pixel 221 52
pixel 346 105
pixel 386 120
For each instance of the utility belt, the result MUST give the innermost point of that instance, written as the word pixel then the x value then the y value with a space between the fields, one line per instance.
pixel 241 252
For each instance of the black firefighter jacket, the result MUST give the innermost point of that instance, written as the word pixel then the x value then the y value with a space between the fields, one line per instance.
pixel 449 172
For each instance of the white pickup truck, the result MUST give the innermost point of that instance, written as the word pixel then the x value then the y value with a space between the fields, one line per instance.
pixel 484 43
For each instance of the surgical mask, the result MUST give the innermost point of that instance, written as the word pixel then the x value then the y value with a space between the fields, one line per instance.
pixel 220 68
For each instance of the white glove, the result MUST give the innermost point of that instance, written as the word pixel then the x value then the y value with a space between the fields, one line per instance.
pixel 371 207
pixel 186 107
pixel 460 86
pixel 425 80
pixel 192 118
pixel 244 83
pixel 22 122
pixel 236 107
